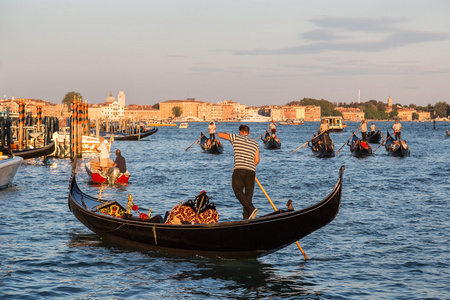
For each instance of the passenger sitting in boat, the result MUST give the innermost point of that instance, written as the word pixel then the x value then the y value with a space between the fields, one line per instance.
pixel 120 162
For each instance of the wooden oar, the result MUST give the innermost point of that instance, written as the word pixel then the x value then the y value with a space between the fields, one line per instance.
pixel 350 138
pixel 275 208
pixel 382 142
pixel 304 145
pixel 196 141
pixel 260 136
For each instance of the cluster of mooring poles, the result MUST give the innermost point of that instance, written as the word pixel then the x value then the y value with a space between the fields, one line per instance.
pixel 26 129
pixel 79 126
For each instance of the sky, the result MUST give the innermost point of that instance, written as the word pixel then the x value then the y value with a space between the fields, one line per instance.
pixel 254 52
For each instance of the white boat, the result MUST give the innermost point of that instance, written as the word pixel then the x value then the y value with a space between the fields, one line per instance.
pixel 335 123
pixel 256 118
pixel 8 169
pixel 89 144
pixel 184 125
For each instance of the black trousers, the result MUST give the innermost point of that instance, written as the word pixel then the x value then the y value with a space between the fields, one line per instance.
pixel 212 136
pixel 364 136
pixel 398 135
pixel 243 183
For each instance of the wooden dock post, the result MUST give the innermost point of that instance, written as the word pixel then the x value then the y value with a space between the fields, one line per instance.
pixel 21 123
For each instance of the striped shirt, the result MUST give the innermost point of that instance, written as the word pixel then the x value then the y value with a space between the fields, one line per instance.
pixel 244 151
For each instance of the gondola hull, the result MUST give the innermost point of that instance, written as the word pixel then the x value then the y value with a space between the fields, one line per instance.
pixel 119 136
pixel 36 152
pixel 398 150
pixel 323 152
pixel 359 148
pixel 246 238
pixel 374 138
pixel 270 142
pixel 215 148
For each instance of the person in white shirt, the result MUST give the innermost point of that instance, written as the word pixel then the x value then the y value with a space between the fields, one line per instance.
pixel 104 154
pixel 397 127
pixel 212 131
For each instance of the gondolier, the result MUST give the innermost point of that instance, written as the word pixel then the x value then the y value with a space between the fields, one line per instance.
pixel 273 127
pixel 212 131
pixel 364 130
pixel 373 128
pixel 246 157
pixel 397 127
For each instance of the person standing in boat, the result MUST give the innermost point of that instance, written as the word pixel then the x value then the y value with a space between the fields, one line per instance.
pixel 104 154
pixel 246 158
pixel 212 131
pixel 273 127
pixel 364 130
pixel 323 131
pixel 397 127
pixel 120 162
pixel 373 128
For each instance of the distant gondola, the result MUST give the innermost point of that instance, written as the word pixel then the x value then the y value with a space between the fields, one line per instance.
pixel 35 152
pixel 447 133
pixel 271 141
pixel 374 138
pixel 215 147
pixel 322 147
pixel 396 148
pixel 120 136
pixel 235 239
pixel 359 148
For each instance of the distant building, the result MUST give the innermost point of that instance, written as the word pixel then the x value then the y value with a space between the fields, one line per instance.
pixel 351 113
pixel 188 108
pixel 312 113
pixel 405 114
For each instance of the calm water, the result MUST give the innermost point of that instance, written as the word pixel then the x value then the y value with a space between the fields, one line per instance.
pixel 390 239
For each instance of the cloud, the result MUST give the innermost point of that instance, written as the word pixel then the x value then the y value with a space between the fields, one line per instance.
pixel 352 35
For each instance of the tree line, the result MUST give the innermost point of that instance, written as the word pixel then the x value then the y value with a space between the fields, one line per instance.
pixel 374 109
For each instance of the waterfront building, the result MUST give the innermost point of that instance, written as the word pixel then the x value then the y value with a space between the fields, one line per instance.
pixel 351 113
pixel 312 113
pixel 188 108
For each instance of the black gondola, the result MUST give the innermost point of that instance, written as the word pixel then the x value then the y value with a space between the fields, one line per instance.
pixel 214 147
pixel 271 141
pixel 35 152
pixel 396 148
pixel 374 138
pixel 120 136
pixel 244 238
pixel 322 147
pixel 359 148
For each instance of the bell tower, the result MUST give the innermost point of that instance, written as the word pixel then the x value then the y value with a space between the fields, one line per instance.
pixel 121 98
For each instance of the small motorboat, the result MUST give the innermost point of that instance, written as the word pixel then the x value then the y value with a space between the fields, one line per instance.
pixel 271 141
pixel 359 148
pixel 112 176
pixel 8 167
pixel 184 125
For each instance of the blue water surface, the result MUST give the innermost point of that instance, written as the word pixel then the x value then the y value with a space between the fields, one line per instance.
pixel 390 239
